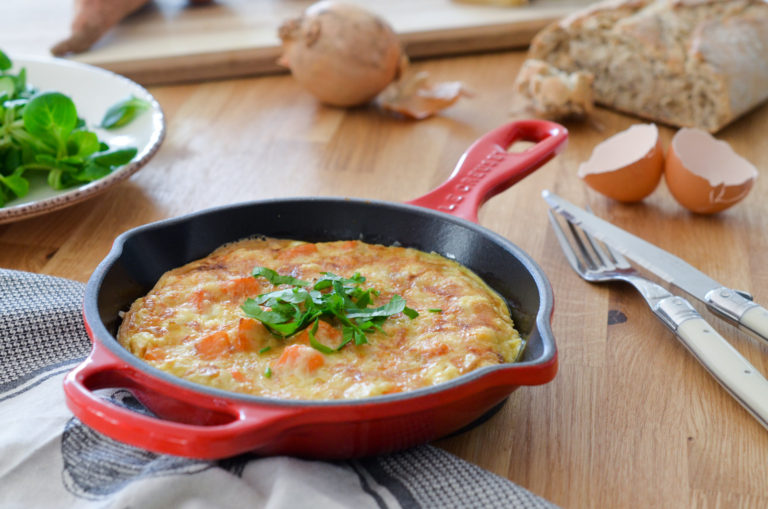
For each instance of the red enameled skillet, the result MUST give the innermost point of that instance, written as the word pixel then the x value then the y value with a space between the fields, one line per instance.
pixel 202 422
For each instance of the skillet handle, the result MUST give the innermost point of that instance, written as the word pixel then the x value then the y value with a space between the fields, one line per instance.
pixel 227 430
pixel 486 168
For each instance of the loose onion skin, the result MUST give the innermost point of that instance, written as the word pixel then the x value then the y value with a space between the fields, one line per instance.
pixel 340 53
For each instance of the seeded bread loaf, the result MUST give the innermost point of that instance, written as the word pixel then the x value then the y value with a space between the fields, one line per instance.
pixel 552 93
pixel 693 63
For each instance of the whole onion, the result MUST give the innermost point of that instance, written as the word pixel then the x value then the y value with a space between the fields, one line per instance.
pixel 342 54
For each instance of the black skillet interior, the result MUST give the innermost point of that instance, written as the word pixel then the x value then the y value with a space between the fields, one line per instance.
pixel 149 251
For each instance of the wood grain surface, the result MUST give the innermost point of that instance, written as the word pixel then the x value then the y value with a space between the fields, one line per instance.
pixel 170 41
pixel 631 420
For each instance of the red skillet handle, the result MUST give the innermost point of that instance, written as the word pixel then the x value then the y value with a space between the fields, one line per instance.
pixel 232 430
pixel 486 168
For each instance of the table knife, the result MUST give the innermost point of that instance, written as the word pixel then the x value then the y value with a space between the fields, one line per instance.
pixel 734 305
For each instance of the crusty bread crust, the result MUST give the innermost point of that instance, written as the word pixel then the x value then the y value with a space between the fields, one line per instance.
pixel 692 63
pixel 551 93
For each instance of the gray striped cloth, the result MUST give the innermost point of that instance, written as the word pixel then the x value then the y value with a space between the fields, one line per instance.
pixel 50 459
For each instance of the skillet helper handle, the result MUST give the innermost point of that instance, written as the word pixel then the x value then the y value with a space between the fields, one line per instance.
pixel 737 308
pixel 220 439
pixel 486 168
pixel 731 370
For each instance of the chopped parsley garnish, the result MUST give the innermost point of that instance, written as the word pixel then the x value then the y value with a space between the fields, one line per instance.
pixel 265 350
pixel 276 279
pixel 290 310
pixel 268 372
pixel 435 310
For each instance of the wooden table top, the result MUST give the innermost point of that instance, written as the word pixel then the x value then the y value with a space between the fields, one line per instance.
pixel 631 420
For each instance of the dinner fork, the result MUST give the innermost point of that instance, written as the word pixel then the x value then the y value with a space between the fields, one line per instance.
pixel 597 262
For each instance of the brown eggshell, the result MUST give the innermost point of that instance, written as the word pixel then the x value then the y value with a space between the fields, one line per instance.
pixel 627 166
pixel 704 174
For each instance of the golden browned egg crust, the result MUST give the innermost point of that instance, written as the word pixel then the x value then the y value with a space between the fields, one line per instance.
pixel 191 323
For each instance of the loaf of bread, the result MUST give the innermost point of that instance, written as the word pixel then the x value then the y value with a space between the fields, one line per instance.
pixel 551 93
pixel 692 63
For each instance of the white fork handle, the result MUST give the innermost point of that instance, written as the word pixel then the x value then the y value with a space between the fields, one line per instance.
pixel 727 365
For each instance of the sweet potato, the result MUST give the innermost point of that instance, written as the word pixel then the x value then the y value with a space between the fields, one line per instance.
pixel 300 357
pixel 214 345
pixel 94 18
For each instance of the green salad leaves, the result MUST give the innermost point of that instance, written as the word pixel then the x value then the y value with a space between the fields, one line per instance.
pixel 41 132
pixel 123 112
pixel 290 310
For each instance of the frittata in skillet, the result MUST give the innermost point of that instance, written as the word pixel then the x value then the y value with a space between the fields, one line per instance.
pixel 320 321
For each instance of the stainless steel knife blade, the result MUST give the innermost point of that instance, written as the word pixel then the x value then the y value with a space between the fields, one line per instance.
pixel 733 305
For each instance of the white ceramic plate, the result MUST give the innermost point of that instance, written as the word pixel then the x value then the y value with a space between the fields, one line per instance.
pixel 93 90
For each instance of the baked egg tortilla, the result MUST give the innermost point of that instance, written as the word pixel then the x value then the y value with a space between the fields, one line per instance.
pixel 192 323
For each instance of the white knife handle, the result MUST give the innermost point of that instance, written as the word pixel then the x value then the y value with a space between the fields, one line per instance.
pixel 734 306
pixel 727 365
pixel 756 320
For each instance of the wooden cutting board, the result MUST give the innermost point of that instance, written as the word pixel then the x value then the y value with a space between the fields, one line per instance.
pixel 169 41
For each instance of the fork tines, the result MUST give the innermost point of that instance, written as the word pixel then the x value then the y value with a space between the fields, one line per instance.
pixel 595 254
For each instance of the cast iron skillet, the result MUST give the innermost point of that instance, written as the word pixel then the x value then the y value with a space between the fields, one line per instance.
pixel 202 422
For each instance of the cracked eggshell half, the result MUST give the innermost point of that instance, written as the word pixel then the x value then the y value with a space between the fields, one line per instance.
pixel 627 166
pixel 704 174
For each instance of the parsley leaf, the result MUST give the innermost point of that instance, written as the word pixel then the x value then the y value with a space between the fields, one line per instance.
pixel 287 311
pixel 314 343
pixel 276 279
